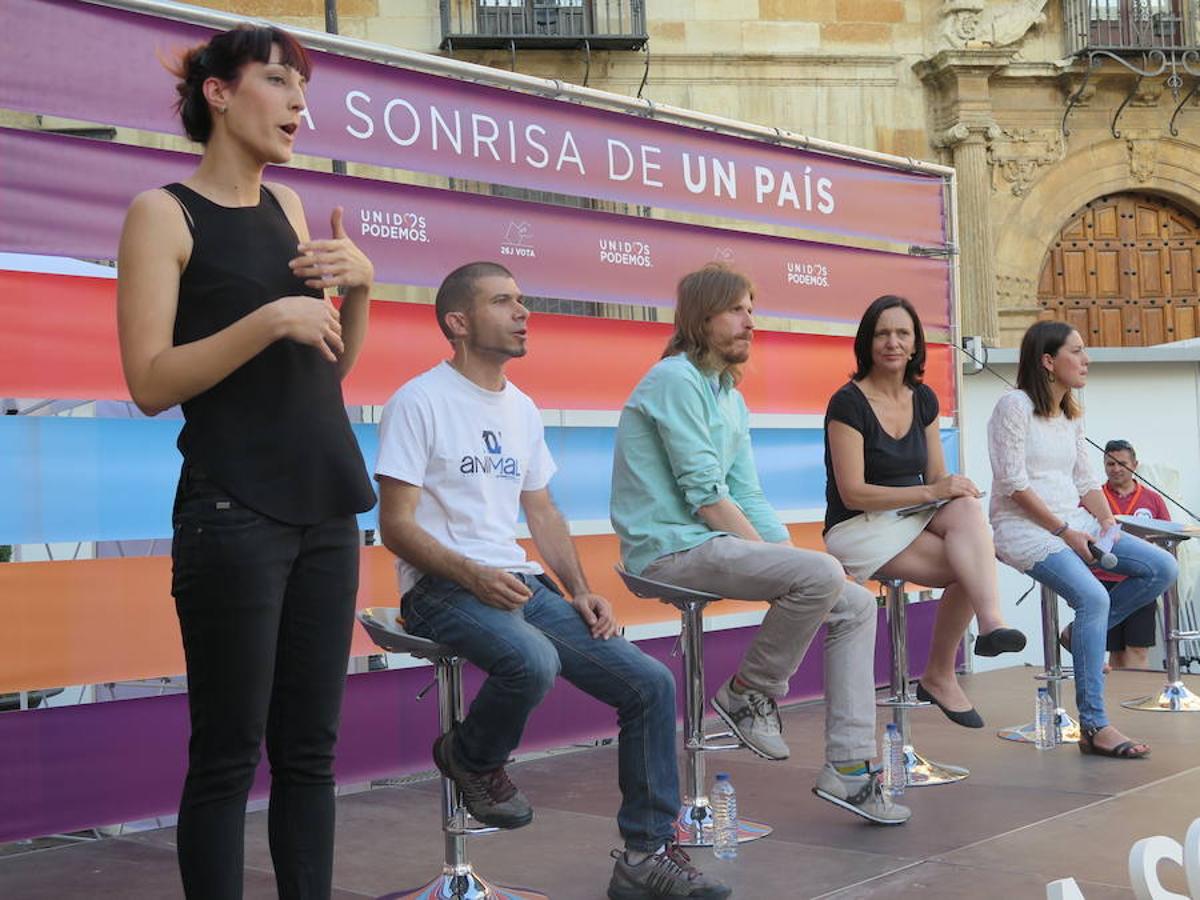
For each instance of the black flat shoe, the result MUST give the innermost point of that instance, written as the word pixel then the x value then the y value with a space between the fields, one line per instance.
pixel 1001 640
pixel 967 718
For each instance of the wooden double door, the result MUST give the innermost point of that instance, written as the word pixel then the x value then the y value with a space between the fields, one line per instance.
pixel 1125 272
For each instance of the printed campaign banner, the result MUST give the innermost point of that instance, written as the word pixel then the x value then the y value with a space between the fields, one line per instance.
pixel 373 112
pixel 59 340
pixel 67 196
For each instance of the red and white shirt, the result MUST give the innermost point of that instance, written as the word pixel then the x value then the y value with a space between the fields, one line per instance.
pixel 1141 502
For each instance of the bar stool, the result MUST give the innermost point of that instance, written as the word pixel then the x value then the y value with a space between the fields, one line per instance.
pixel 921 770
pixel 1175 696
pixel 1055 673
pixel 694 824
pixel 458 880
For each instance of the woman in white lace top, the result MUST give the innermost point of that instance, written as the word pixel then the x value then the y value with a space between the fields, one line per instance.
pixel 1041 474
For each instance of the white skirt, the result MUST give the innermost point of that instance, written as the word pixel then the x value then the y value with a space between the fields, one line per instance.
pixel 866 542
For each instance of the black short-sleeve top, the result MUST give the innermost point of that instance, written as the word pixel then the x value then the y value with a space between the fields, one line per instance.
pixel 888 461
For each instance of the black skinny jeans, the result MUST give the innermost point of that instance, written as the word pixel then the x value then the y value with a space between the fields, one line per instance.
pixel 266 612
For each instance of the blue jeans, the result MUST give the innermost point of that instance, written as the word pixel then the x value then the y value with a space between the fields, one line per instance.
pixel 523 651
pixel 1150 569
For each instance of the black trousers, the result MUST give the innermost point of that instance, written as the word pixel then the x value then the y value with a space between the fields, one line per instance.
pixel 266 612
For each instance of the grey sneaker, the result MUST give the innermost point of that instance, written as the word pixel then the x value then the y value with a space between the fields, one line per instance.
pixel 668 873
pixel 862 795
pixel 489 796
pixel 754 718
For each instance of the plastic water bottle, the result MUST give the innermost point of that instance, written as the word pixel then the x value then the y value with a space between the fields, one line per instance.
pixel 895 773
pixel 725 818
pixel 1045 727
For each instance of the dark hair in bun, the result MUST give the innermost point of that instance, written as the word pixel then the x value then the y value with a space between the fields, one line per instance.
pixel 223 57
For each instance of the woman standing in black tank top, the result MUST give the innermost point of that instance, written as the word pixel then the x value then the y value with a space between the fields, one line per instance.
pixel 221 308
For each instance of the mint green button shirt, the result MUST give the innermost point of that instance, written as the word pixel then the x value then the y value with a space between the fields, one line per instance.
pixel 683 442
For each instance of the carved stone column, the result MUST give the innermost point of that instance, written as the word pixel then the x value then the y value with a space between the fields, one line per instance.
pixel 958 83
pixel 977 265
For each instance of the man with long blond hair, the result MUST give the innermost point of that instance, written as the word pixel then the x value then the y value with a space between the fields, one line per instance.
pixel 688 508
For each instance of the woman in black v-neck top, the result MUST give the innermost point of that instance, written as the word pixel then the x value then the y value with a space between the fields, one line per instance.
pixel 883 452
pixel 221 308
pixel 894 461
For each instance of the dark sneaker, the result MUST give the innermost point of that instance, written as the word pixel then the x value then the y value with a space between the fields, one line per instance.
pixel 862 795
pixel 489 796
pixel 667 873
pixel 753 717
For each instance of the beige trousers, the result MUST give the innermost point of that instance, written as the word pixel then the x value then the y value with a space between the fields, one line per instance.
pixel 805 589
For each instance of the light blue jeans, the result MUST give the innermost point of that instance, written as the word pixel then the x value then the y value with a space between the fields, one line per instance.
pixel 1150 569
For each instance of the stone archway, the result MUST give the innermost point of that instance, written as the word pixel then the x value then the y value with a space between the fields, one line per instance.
pixel 1125 271
pixel 1026 227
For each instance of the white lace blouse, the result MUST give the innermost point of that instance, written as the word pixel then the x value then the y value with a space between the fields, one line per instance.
pixel 1047 455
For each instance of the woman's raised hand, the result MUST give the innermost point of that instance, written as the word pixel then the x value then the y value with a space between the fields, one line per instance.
pixel 333 263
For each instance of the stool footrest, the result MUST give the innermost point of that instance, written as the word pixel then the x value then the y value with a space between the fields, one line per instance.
pixel 705 745
pixel 897 703
pixel 1066 673
pixel 470 829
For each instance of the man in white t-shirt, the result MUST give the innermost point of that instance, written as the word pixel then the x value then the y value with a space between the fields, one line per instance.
pixel 462 452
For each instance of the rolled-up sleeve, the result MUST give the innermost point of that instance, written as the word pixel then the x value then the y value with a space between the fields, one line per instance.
pixel 1085 476
pixel 678 410
pixel 1007 430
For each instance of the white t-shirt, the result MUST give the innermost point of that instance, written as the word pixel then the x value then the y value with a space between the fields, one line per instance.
pixel 472 452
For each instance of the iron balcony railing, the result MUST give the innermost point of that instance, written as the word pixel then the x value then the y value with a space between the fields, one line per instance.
pixel 601 24
pixel 1129 26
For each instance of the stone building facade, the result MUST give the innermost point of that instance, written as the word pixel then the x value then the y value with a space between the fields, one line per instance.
pixel 1090 216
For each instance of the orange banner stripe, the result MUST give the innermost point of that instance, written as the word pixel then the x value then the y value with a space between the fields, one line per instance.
pixel 101 620
pixel 59 341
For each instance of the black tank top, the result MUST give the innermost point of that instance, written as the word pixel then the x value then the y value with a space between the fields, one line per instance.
pixel 274 433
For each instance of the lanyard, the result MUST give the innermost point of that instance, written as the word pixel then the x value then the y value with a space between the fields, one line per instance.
pixel 1115 502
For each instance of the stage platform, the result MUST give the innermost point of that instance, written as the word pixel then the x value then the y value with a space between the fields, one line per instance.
pixel 1023 818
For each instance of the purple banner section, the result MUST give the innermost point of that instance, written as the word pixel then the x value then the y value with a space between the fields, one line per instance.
pixel 76 767
pixel 68 196
pixel 103 65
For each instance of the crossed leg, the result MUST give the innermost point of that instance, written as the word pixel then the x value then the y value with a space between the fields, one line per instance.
pixel 954 552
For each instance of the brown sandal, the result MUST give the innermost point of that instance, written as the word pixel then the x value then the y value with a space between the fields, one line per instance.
pixel 1123 750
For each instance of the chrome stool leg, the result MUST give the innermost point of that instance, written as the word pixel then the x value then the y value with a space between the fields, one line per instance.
pixel 921 771
pixel 694 824
pixel 1054 675
pixel 1175 696
pixel 458 879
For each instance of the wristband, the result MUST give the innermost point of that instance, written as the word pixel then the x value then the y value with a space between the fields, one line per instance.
pixel 1058 532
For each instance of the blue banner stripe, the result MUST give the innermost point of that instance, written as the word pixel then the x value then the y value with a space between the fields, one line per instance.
pixel 85 479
